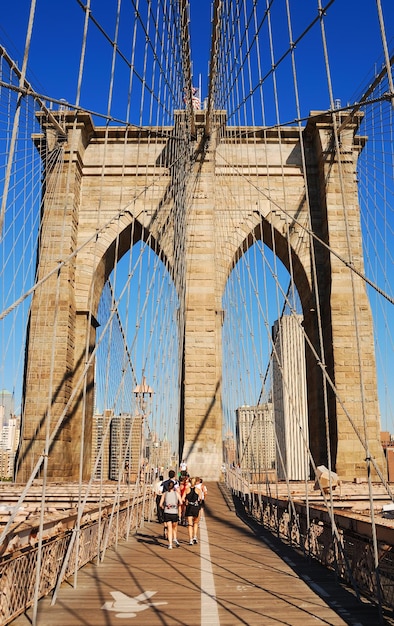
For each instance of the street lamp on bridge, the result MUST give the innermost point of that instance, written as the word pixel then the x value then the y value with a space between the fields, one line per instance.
pixel 143 393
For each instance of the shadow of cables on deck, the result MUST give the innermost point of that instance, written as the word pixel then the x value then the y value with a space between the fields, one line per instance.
pixel 340 597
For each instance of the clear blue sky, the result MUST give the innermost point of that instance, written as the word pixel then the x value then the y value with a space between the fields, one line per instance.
pixel 352 36
pixel 353 40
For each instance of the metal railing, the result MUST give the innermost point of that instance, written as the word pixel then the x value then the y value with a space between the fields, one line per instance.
pixel 348 551
pixel 18 570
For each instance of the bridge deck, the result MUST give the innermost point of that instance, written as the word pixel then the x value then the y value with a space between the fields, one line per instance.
pixel 233 576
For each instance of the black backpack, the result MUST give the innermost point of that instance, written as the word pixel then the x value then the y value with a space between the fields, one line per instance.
pixel 166 483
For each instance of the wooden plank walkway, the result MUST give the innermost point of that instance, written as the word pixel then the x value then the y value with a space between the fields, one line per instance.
pixel 233 576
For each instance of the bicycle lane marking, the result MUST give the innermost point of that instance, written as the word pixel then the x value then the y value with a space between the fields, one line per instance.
pixel 209 606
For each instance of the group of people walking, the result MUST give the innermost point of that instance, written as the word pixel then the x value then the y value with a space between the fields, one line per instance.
pixel 180 500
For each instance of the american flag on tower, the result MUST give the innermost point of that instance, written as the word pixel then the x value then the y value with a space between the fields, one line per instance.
pixel 196 102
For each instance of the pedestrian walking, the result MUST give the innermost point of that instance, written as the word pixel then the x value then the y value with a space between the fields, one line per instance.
pixel 171 503
pixel 202 487
pixel 158 489
pixel 165 483
pixel 184 484
pixel 192 498
pixel 171 476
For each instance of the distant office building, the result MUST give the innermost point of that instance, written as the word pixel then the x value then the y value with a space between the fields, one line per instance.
pixel 229 448
pixel 256 437
pixel 9 434
pixel 6 407
pixel 158 453
pixel 116 443
pixel 8 448
pixel 6 465
pixel 126 451
pixel 4 438
pixel 100 444
pixel 388 447
pixel 290 398
pixel 10 440
pixel 166 457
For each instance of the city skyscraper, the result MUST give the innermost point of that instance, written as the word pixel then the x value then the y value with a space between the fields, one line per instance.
pixel 229 448
pixel 9 434
pixel 119 437
pixel 256 437
pixel 290 398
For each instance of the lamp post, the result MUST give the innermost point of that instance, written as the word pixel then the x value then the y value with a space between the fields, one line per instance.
pixel 142 392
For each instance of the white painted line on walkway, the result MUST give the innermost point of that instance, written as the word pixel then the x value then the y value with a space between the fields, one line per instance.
pixel 209 606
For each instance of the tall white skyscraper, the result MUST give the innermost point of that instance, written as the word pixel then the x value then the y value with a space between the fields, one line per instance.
pixel 9 434
pixel 290 398
pixel 6 407
pixel 256 437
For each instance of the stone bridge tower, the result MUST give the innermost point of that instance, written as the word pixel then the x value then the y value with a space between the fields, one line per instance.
pixel 89 222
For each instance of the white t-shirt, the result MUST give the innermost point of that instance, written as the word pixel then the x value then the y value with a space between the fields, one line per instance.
pixel 203 490
pixel 158 487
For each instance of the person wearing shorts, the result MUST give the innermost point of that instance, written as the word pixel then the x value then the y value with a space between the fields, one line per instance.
pixel 200 485
pixel 171 503
pixel 192 497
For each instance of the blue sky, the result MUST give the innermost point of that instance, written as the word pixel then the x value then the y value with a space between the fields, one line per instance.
pixel 354 47
pixel 353 41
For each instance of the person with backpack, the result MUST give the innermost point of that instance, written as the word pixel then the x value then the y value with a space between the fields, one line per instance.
pixel 171 503
pixel 171 476
pixel 192 497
